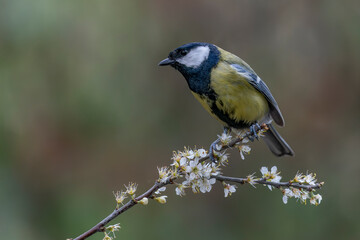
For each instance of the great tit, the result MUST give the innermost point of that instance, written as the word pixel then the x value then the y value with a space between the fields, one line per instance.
pixel 229 89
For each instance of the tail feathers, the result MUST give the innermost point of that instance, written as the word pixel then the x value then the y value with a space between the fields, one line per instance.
pixel 276 143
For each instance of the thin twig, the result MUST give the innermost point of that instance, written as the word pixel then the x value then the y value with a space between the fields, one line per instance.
pixel 100 227
pixel 275 184
pixel 236 140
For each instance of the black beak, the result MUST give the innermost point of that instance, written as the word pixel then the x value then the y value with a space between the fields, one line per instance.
pixel 166 62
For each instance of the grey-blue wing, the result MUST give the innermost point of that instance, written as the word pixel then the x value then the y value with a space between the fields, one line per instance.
pixel 261 86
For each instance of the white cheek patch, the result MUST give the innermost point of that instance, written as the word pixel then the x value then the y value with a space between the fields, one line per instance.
pixel 195 57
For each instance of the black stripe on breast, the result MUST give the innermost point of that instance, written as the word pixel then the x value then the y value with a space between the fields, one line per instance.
pixel 229 121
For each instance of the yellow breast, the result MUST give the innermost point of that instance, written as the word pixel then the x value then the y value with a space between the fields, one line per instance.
pixel 236 97
pixel 207 103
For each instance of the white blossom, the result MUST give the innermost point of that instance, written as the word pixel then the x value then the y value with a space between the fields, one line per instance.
pixel 316 199
pixel 225 138
pixel 174 173
pixel 251 179
pixel 162 189
pixel 205 184
pixel 244 149
pixel 299 177
pixel 194 169
pixel 264 171
pixel 305 179
pixel 229 189
pixel 215 169
pixel 241 133
pixel 296 192
pixel 195 185
pixel 218 147
pixel 144 201
pixel 113 228
pixel 198 175
pixel 189 154
pixel 163 174
pixel 200 153
pixel 183 161
pixel 161 199
pixel 180 162
pixel 223 159
pixel 180 189
pixel 131 188
pixel 206 170
pixel 107 237
pixel 287 194
pixel 271 176
pixel 275 177
pixel 120 196
pixel 310 179
pixel 303 196
pixel 245 140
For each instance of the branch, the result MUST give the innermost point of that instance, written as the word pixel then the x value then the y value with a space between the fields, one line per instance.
pixel 200 174
pixel 307 187
pixel 100 227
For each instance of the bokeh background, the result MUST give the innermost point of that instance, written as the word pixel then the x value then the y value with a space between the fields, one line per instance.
pixel 84 109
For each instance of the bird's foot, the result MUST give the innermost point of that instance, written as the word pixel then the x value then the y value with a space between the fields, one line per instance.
pixel 253 130
pixel 211 150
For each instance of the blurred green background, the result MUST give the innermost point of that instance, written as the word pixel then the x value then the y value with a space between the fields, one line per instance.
pixel 84 109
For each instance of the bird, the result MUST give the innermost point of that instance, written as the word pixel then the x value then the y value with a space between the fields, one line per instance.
pixel 230 90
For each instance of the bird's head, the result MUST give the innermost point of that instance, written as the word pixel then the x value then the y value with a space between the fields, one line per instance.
pixel 192 58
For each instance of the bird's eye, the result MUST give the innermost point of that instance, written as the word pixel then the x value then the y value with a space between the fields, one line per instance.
pixel 183 52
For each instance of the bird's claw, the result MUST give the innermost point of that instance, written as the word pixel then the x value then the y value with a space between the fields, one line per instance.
pixel 211 151
pixel 253 130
